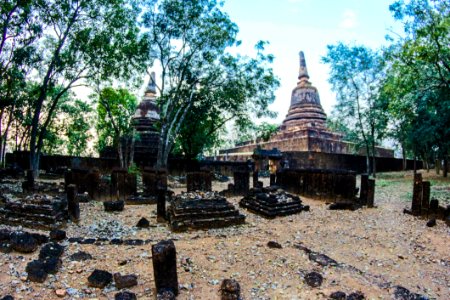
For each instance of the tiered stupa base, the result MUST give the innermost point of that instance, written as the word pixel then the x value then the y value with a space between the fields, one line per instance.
pixel 272 202
pixel 35 211
pixel 202 210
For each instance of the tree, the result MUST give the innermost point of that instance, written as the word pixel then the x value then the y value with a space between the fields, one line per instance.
pixel 337 124
pixel 252 132
pixel 114 111
pixel 189 42
pixel 198 135
pixel 19 29
pixel 265 130
pixel 69 131
pixel 83 41
pixel 418 81
pixel 356 73
pixel 77 130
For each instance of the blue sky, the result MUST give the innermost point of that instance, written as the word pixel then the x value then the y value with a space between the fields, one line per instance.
pixel 309 25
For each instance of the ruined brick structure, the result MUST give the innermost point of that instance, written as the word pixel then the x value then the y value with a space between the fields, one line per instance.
pixel 144 119
pixel 303 129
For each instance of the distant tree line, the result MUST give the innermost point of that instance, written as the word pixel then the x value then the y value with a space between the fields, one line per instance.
pixel 402 91
pixel 49 47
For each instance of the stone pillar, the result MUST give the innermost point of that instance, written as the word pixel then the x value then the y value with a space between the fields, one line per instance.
pixel 241 182
pixel 68 179
pixel 370 192
pixel 93 184
pixel 29 183
pixel 123 184
pixel 73 206
pixel 417 195
pixel 255 179
pixel 434 206
pixel 273 178
pixel 161 190
pixel 161 205
pixel 164 258
pixel 363 189
pixel 150 182
pixel 426 187
pixel 30 179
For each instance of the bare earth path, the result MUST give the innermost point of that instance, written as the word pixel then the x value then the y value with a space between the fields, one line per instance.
pixel 377 249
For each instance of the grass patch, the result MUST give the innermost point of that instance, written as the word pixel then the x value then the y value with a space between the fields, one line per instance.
pixel 392 175
pixel 383 183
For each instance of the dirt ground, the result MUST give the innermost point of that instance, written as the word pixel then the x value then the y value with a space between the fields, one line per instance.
pixel 377 248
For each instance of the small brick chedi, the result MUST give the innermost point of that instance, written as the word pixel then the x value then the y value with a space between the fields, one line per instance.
pixel 144 119
pixel 202 210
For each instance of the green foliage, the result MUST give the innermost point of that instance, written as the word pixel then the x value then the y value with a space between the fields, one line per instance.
pixel 198 133
pixel 265 130
pixel 356 74
pixel 190 41
pixel 418 80
pixel 58 45
pixel 253 132
pixel 114 111
pixel 134 169
pixel 79 124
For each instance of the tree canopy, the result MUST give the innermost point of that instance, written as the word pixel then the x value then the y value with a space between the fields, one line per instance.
pixel 66 44
pixel 356 74
pixel 190 41
pixel 418 78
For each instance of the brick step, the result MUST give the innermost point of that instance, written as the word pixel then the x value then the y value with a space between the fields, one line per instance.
pixel 197 207
pixel 33 217
pixel 31 224
pixel 272 214
pixel 180 215
pixel 270 211
pixel 208 223
pixel 273 204
pixel 35 208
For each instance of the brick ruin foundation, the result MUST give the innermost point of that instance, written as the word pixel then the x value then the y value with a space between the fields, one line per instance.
pixel 333 185
pixel 34 211
pixel 272 202
pixel 202 210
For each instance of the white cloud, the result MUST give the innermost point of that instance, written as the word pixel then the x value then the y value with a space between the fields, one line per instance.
pixel 349 19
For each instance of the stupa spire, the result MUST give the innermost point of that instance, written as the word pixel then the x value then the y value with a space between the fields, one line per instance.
pixel 303 71
pixel 151 87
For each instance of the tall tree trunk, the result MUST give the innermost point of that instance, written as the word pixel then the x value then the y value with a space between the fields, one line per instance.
pixel 437 165
pixel 133 141
pixel 367 159
pixel 161 161
pixel 374 164
pixel 3 148
pixel 1 152
pixel 34 149
pixel 1 136
pixel 445 169
pixel 415 163
pixel 120 153
pixel 404 158
pixel 374 169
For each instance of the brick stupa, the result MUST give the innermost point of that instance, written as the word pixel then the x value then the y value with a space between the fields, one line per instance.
pixel 144 121
pixel 303 129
